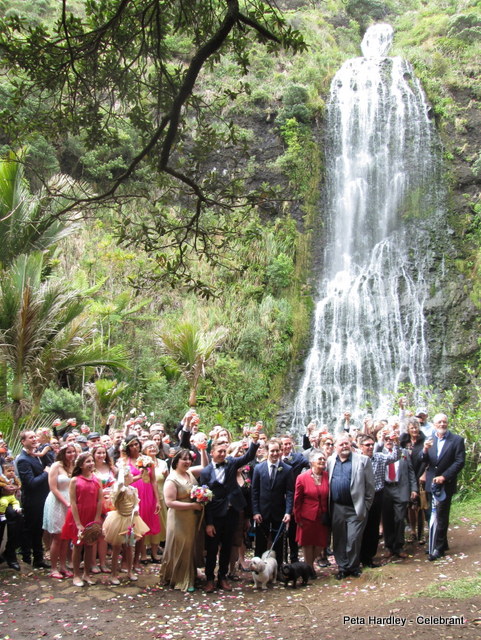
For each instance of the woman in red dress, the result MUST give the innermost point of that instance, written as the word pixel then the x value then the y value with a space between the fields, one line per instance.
pixel 311 508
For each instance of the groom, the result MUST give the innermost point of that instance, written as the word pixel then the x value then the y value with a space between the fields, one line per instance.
pixel 222 513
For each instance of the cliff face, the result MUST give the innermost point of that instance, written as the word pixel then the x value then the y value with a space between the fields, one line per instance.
pixel 452 311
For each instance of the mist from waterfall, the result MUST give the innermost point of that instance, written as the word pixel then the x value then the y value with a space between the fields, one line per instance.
pixel 382 191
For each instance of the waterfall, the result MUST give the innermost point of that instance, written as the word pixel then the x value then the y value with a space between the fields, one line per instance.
pixel 381 195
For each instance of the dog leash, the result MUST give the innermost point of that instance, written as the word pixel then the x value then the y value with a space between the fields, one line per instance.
pixel 279 531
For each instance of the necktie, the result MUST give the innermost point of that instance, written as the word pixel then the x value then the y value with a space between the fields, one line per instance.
pixel 391 472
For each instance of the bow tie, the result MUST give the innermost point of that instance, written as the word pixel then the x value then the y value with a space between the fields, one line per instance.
pixel 218 465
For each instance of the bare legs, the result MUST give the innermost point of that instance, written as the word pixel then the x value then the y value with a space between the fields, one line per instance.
pixel 79 579
pixel 58 554
pixel 310 553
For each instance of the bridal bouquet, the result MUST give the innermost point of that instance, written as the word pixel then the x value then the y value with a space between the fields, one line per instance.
pixel 201 494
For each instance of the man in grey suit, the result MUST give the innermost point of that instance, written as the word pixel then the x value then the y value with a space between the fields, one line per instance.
pixel 400 486
pixel 351 482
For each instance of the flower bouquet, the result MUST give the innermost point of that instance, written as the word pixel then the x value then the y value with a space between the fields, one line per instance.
pixel 144 462
pixel 202 494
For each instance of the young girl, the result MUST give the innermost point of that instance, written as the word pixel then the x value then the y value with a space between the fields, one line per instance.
pixel 124 526
pixel 85 507
pixel 45 450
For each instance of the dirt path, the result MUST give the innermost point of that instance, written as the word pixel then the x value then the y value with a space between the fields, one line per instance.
pixel 34 606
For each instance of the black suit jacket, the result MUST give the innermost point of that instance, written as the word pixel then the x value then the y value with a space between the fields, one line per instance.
pixel 449 464
pixel 297 462
pixel 185 443
pixel 272 499
pixel 34 481
pixel 229 492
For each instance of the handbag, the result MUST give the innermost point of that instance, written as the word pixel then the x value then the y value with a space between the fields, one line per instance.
pixel 325 518
pixel 90 534
pixel 423 501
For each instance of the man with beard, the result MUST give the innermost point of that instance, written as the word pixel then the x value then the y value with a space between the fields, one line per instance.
pixel 351 482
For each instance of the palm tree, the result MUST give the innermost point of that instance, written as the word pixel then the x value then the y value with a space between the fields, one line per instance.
pixel 28 222
pixel 104 395
pixel 44 331
pixel 192 349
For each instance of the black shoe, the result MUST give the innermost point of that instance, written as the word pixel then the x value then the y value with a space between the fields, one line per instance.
pixel 355 573
pixel 340 575
pixel 27 559
pixel 13 564
pixel 371 564
pixel 435 555
pixel 41 564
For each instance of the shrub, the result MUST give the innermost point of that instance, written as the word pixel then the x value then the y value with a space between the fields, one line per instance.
pixel 279 272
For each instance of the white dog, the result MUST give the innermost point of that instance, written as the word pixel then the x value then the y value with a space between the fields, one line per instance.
pixel 264 569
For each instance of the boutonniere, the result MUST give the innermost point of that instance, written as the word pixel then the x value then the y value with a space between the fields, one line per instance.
pixel 279 468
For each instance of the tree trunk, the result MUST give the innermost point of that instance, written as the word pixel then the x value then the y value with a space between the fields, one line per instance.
pixel 193 396
pixel 3 383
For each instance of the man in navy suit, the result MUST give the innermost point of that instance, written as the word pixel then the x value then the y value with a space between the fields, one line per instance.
pixel 35 490
pixel 445 455
pixel 272 499
pixel 222 513
pixel 298 462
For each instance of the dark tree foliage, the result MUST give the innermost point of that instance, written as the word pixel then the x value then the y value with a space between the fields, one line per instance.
pixel 127 70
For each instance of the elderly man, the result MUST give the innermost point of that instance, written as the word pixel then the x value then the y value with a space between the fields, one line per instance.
pixel 379 461
pixel 400 486
pixel 351 482
pixel 445 455
pixel 425 426
pixel 34 479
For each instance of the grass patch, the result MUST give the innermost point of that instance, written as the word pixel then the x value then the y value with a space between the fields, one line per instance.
pixel 458 589
pixel 465 510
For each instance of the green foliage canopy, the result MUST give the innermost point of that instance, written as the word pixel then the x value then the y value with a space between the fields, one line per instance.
pixel 127 69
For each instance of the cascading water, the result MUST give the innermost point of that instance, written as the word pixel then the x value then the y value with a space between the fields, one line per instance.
pixel 382 192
